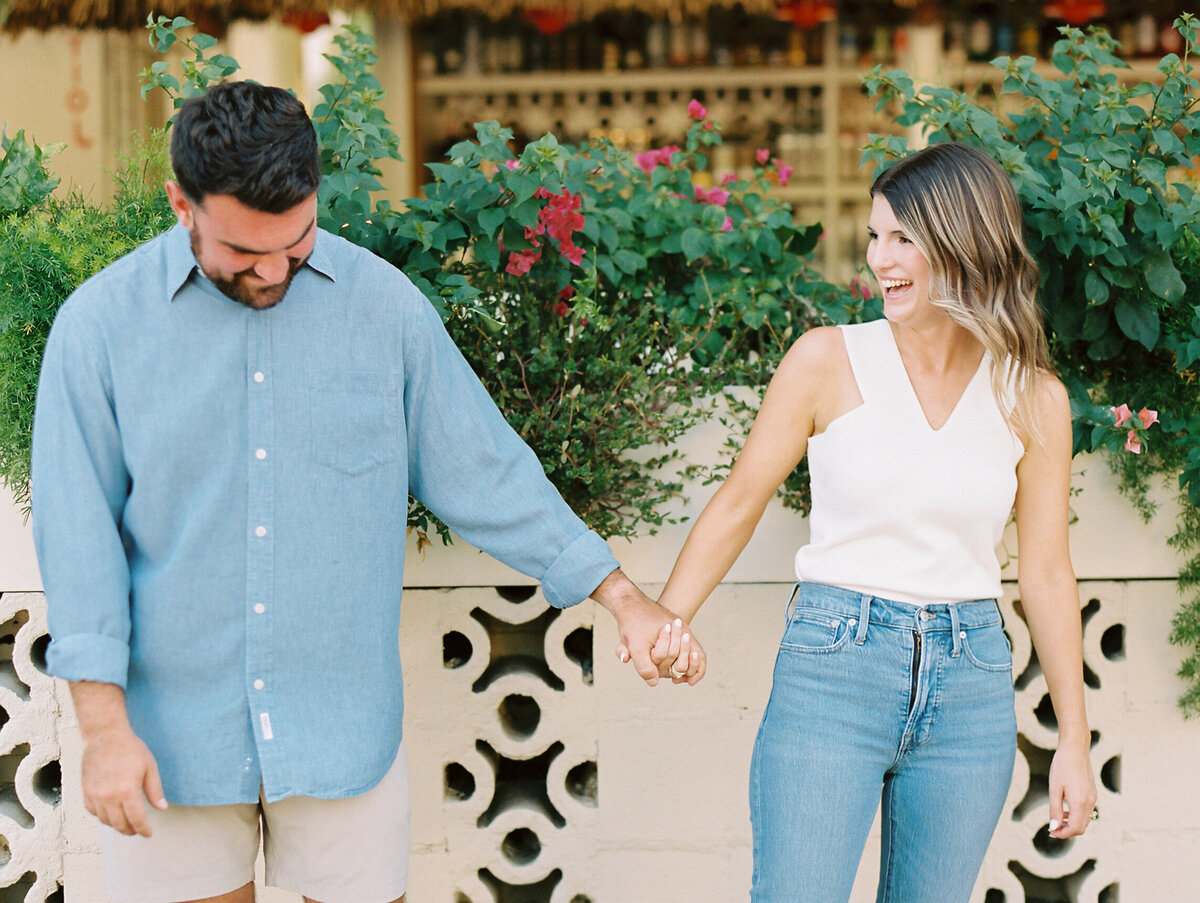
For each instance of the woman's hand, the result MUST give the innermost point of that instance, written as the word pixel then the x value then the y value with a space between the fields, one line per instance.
pixel 1072 790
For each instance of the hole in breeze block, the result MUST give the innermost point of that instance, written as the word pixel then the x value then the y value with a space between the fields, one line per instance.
pixel 8 639
pixel 1052 890
pixel 521 846
pixel 1112 643
pixel 520 783
pixel 517 649
pixel 503 892
pixel 519 715
pixel 47 783
pixel 578 647
pixel 459 783
pixel 583 783
pixel 516 594
pixel 10 804
pixel 1110 774
pixel 456 649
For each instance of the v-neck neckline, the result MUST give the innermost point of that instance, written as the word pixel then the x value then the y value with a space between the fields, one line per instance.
pixel 912 392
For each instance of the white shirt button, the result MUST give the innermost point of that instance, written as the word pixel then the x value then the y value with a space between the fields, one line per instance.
pixel 260 531
pixel 258 377
pixel 258 685
pixel 261 454
pixel 259 608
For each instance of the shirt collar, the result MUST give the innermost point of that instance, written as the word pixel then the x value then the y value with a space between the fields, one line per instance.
pixel 181 262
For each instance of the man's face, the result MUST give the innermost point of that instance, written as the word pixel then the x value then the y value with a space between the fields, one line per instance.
pixel 251 256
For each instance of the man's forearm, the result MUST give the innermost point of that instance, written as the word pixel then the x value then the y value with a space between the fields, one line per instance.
pixel 99 708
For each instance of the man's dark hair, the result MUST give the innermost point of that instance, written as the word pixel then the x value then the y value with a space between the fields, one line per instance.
pixel 251 141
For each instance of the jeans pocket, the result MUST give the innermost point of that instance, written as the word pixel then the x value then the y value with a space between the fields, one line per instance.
pixel 812 632
pixel 987 648
pixel 354 426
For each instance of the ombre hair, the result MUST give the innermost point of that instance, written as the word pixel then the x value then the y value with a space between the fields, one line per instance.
pixel 957 205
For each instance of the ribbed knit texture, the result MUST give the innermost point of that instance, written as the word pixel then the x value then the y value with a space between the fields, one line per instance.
pixel 900 510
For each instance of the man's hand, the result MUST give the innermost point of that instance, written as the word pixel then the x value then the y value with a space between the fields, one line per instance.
pixel 119 771
pixel 658 643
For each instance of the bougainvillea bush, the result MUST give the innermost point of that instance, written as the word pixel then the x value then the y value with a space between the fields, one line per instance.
pixel 606 299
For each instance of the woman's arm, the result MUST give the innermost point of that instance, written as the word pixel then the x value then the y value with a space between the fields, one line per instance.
pixel 798 396
pixel 1050 598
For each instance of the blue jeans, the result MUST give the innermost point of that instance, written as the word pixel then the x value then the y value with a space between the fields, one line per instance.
pixel 873 698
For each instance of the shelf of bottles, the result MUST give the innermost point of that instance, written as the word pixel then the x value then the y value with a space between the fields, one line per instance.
pixel 790 83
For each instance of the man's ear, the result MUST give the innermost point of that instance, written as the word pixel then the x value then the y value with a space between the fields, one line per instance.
pixel 180 204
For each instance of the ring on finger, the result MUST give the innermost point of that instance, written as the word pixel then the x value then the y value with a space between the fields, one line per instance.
pixel 675 673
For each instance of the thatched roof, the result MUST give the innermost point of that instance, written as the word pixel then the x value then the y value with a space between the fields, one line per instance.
pixel 211 15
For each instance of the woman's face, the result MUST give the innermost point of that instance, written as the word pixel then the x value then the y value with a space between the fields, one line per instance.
pixel 898 265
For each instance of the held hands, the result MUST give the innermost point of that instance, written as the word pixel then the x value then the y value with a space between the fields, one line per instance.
pixel 658 643
pixel 119 776
pixel 675 653
pixel 1072 792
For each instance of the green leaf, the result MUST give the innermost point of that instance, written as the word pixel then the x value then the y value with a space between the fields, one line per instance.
pixel 1095 287
pixel 1162 277
pixel 695 243
pixel 1138 321
pixel 628 261
pixel 490 220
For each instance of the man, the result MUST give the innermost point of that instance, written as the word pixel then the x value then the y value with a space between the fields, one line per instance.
pixel 230 420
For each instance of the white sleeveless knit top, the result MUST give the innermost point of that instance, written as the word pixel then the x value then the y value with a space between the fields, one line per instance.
pixel 901 510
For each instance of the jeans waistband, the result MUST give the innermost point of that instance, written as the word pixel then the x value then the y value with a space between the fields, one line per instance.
pixel 888 612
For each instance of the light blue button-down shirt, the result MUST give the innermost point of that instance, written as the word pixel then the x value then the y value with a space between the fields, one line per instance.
pixel 219 507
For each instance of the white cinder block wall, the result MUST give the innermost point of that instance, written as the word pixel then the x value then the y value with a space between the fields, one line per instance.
pixel 539 762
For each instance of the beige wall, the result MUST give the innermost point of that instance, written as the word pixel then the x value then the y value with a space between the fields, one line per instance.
pixel 692 746
pixel 77 87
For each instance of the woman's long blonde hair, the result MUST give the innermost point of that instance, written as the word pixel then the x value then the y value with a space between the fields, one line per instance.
pixel 959 208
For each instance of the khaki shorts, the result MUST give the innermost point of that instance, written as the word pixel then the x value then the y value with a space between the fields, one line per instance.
pixel 352 850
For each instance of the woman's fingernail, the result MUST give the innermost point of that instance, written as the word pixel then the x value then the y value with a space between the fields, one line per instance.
pixel 686 637
pixel 678 622
pixel 1054 824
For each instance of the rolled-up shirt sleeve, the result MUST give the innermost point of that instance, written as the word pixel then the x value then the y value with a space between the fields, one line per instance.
pixel 475 473
pixel 79 489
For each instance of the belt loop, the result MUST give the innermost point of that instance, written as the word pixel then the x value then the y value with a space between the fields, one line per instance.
pixel 787 612
pixel 956 648
pixel 864 615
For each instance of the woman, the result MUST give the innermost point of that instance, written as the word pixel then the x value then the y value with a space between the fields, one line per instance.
pixel 894 678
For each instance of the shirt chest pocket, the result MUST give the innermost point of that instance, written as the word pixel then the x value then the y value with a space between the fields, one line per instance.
pixel 354 420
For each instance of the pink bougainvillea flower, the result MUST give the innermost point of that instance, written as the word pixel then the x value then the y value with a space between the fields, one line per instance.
pixel 708 127
pixel 785 173
pixel 1147 417
pixel 859 289
pixel 572 252
pixel 647 160
pixel 1122 414
pixel 512 164
pixel 729 178
pixel 762 155
pixel 1133 443
pixel 519 262
pixel 716 196
pixel 583 321
pixel 697 110
pixel 567 293
pixel 727 226
pixel 562 309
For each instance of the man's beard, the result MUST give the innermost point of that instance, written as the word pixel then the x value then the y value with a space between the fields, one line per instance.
pixel 238 288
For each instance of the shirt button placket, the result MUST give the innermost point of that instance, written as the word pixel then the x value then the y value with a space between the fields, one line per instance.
pixel 260 580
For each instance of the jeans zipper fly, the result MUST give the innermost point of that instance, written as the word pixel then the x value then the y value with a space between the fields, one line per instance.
pixel 916 669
